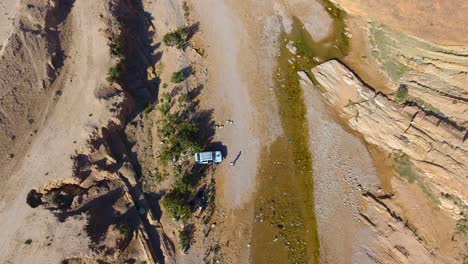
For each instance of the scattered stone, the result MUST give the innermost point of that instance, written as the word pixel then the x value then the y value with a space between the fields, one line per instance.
pixel 290 46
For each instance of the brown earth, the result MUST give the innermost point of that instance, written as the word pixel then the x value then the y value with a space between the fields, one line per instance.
pixel 411 129
pixel 438 21
pixel 87 146
pixel 49 109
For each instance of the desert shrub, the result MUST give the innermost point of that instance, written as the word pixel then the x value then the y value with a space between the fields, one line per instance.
pixel 177 38
pixel 117 50
pixel 184 98
pixel 148 109
pixel 180 138
pixel 124 229
pixel 165 85
pixel 178 77
pixel 462 226
pixel 113 75
pixel 164 108
pixel 178 132
pixel 176 205
pixel 184 239
pixel 28 242
pixel 186 8
pixel 177 200
pixel 401 94
pixel 404 167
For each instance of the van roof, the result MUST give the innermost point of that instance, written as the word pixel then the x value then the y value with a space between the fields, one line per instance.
pixel 206 156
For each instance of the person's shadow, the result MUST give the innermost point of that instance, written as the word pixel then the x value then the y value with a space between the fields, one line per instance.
pixel 237 157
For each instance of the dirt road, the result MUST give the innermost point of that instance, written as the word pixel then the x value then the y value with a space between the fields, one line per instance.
pixel 230 93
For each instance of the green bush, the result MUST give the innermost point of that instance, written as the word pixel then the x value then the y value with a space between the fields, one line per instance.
pixel 186 8
pixel 113 75
pixel 401 95
pixel 178 77
pixel 184 98
pixel 148 109
pixel 118 50
pixel 462 226
pixel 184 239
pixel 180 138
pixel 176 205
pixel 177 38
pixel 178 132
pixel 177 200
pixel 124 230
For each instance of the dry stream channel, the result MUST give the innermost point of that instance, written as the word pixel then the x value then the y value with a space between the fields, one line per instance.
pixel 285 228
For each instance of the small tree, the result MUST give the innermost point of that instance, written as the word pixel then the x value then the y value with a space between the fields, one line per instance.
pixel 177 38
pixel 178 77
pixel 113 75
pixel 402 94
pixel 118 50
pixel 176 205
pixel 184 240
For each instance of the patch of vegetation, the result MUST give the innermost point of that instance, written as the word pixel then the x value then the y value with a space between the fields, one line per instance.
pixel 180 135
pixel 148 109
pixel 178 76
pixel 177 38
pixel 159 69
pixel 176 201
pixel 124 229
pixel 177 130
pixel 402 94
pixel 184 98
pixel 113 75
pixel 28 241
pixel 385 52
pixel 165 85
pixel 405 168
pixel 117 50
pixel 184 239
pixel 462 226
pixel 186 8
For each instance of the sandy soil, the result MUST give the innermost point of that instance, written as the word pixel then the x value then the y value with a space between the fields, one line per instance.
pixel 239 90
pixel 241 47
pixel 230 93
pixel 340 162
pixel 439 21
pixel 8 10
pixel 75 116
pixel 314 16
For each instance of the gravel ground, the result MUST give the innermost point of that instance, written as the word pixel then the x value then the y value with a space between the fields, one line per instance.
pixel 340 162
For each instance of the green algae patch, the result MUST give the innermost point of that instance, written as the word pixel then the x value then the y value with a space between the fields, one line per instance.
pixel 285 229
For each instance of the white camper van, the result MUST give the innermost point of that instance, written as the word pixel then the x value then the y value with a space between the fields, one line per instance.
pixel 209 157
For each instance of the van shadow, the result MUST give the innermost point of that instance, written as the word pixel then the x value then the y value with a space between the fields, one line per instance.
pixel 218 146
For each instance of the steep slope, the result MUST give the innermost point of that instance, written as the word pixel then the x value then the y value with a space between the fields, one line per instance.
pixel 58 109
pixel 428 153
